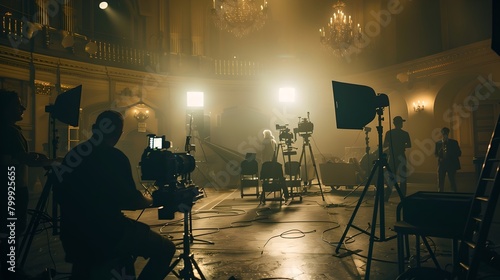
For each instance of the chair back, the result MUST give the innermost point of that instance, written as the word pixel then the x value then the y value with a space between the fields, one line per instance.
pixel 249 167
pixel 292 169
pixel 271 170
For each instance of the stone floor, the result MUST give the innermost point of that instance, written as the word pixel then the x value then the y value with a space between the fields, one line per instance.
pixel 236 238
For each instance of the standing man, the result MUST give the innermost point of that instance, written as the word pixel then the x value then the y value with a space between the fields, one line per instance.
pixel 396 142
pixel 447 151
pixel 16 158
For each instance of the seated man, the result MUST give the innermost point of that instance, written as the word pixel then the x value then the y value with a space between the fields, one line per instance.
pixel 95 185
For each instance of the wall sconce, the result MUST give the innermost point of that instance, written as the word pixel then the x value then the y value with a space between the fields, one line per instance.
pixel 141 115
pixel 419 106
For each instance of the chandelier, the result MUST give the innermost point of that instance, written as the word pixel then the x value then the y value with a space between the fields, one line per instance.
pixel 239 17
pixel 340 34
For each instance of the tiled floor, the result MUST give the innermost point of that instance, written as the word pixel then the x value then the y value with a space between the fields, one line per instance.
pixel 251 241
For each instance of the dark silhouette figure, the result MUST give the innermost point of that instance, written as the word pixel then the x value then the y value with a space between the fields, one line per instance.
pixel 397 141
pixel 447 152
pixel 96 184
pixel 16 158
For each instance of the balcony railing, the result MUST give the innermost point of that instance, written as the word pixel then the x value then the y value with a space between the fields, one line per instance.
pixel 24 35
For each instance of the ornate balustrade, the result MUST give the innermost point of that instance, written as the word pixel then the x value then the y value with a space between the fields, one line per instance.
pixel 24 35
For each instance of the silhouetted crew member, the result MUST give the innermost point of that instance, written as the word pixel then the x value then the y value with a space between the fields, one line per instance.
pixel 447 152
pixel 396 142
pixel 16 158
pixel 96 186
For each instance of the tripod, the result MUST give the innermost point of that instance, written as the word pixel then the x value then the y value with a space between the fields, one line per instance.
pixel 292 169
pixel 361 176
pixel 303 156
pixel 187 273
pixel 192 239
pixel 41 204
pixel 378 169
pixel 35 220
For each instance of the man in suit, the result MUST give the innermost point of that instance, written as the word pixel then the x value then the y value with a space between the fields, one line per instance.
pixel 447 151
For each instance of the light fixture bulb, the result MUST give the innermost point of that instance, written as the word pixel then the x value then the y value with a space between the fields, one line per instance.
pixel 103 5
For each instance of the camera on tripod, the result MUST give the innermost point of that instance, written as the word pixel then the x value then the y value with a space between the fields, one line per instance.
pixel 305 127
pixel 164 167
pixel 285 134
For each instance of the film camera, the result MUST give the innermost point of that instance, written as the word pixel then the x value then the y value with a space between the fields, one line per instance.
pixel 305 126
pixel 164 167
pixel 285 134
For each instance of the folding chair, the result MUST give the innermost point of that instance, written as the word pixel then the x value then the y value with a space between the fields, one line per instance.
pixel 249 177
pixel 273 181
pixel 293 179
pixel 148 185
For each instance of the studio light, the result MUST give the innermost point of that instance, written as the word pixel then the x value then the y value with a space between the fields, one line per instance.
pixel 356 105
pixel 91 48
pixel 195 99
pixel 67 106
pixel 68 40
pixel 287 95
pixel 103 5
pixel 32 29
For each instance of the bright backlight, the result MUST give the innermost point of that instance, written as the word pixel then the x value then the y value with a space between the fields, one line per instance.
pixel 287 95
pixel 194 99
pixel 103 5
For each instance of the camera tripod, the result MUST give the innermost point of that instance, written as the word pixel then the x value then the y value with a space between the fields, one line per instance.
pixel 187 273
pixel 292 168
pixel 303 156
pixel 378 169
pixel 192 239
pixel 37 216
pixel 42 201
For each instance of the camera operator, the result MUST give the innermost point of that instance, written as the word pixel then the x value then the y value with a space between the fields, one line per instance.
pixel 96 186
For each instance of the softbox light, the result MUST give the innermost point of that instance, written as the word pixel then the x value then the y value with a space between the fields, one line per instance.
pixel 67 106
pixel 356 105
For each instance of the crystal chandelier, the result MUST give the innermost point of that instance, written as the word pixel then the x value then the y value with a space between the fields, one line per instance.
pixel 340 34
pixel 239 17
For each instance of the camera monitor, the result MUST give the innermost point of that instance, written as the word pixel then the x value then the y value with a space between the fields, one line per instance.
pixel 356 105
pixel 156 142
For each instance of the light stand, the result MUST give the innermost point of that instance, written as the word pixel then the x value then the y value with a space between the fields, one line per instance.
pixel 192 147
pixel 187 273
pixel 378 169
pixel 66 109
pixel 367 161
pixel 186 179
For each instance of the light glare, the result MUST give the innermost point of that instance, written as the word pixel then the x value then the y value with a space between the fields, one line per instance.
pixel 103 5
pixel 195 99
pixel 287 95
